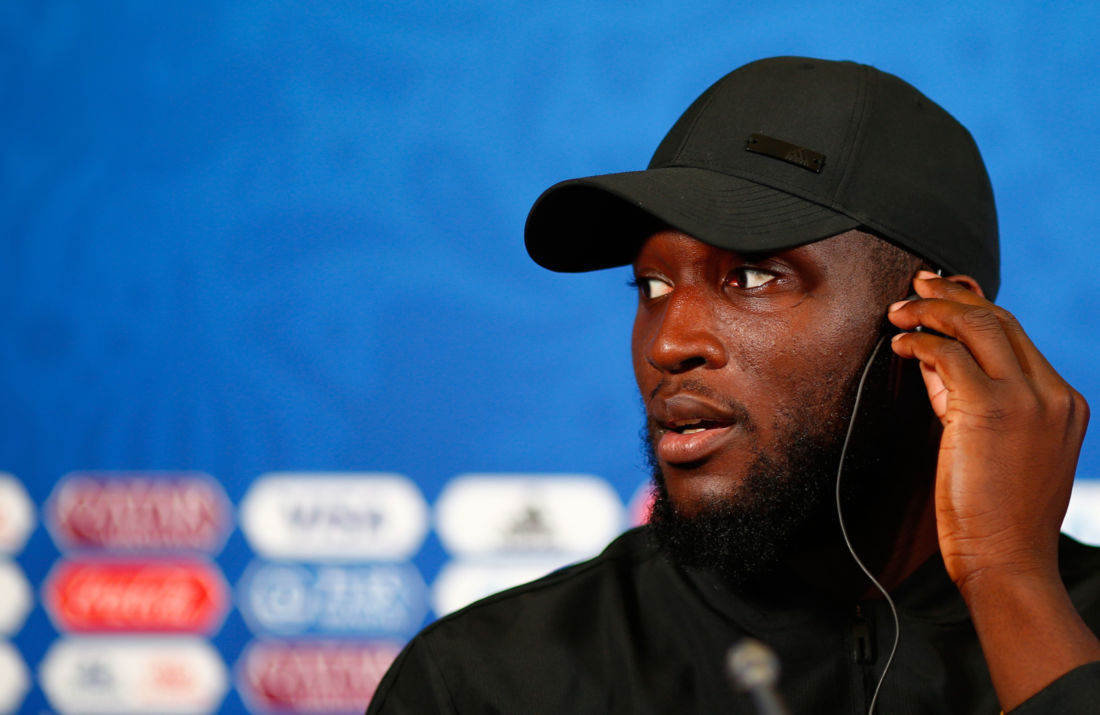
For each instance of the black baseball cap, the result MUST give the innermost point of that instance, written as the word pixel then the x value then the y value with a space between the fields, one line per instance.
pixel 786 151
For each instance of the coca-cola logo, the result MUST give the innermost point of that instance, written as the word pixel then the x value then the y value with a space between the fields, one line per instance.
pixel 123 511
pixel 318 677
pixel 161 596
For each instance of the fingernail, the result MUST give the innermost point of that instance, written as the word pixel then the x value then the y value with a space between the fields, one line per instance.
pixel 895 306
pixel 926 275
pixel 895 338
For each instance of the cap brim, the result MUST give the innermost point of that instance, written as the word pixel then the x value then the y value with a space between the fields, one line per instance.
pixel 599 221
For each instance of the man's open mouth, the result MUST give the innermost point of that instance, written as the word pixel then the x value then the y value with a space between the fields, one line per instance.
pixel 696 426
pixel 692 441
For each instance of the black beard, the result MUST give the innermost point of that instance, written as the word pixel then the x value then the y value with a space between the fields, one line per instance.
pixel 786 502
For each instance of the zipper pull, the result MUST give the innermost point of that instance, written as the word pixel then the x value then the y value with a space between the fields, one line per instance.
pixel 863 642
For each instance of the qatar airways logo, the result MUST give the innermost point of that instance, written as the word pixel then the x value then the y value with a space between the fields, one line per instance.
pixel 362 599
pixel 328 515
pixel 127 676
pixel 492 514
pixel 313 677
pixel 16 514
pixel 162 596
pixel 139 511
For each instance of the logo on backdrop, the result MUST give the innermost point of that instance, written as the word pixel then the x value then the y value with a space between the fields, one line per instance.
pixel 462 582
pixel 16 599
pixel 14 679
pixel 506 529
pixel 174 676
pixel 494 514
pixel 640 506
pixel 312 677
pixel 322 516
pixel 163 596
pixel 16 514
pixel 388 600
pixel 139 510
pixel 1082 520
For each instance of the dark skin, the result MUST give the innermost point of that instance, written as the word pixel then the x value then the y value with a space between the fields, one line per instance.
pixel 724 345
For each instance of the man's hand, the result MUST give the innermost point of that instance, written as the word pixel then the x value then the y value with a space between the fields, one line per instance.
pixel 1012 431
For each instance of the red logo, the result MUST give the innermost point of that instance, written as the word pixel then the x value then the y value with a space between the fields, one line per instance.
pixel 319 677
pixel 162 596
pixel 131 512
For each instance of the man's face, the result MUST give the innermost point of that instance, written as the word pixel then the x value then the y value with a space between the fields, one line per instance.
pixel 746 366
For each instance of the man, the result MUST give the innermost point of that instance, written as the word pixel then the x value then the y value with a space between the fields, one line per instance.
pixel 819 401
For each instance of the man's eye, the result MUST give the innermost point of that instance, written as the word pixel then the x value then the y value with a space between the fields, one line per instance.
pixel 652 287
pixel 744 277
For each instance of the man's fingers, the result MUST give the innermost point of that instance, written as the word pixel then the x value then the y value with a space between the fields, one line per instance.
pixel 954 366
pixel 1031 360
pixel 977 329
pixel 957 311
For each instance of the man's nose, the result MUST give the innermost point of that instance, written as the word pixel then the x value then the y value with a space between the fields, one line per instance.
pixel 686 336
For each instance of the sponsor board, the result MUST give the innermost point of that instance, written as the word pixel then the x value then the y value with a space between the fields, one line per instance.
pixel 16 598
pixel 363 600
pixel 1082 520
pixel 159 596
pixel 460 583
pixel 16 514
pixel 312 677
pixel 641 504
pixel 168 676
pixel 14 679
pixel 139 510
pixel 483 514
pixel 327 516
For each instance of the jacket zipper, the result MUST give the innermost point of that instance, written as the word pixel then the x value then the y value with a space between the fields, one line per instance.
pixel 863 642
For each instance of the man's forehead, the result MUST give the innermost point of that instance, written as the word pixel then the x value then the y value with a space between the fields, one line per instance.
pixel 852 245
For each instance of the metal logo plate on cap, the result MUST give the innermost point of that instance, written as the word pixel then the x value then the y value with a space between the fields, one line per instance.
pixel 790 153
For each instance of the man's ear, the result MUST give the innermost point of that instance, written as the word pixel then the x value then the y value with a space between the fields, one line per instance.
pixel 967 282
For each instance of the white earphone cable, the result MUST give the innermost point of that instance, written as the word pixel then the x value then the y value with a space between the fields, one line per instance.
pixel 844 531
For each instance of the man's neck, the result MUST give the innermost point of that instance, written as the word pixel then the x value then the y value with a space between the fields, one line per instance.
pixel 891 543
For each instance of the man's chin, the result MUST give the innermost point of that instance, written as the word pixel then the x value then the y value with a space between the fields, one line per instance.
pixel 696 492
pixel 741 540
pixel 743 528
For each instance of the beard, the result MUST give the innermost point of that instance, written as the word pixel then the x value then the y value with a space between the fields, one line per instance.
pixel 786 501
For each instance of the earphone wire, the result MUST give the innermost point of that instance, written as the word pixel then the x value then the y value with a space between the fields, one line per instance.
pixel 844 531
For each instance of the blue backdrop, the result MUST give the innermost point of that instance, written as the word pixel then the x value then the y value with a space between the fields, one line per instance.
pixel 243 237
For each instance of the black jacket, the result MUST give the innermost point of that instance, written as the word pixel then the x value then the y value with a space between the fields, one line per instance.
pixel 628 632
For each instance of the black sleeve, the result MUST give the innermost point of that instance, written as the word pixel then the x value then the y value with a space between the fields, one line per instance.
pixel 413 684
pixel 1078 691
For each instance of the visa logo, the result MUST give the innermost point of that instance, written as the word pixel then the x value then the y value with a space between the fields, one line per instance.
pixel 311 516
pixel 335 516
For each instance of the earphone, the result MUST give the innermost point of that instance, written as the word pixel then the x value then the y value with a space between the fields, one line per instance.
pixel 840 511
pixel 844 530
